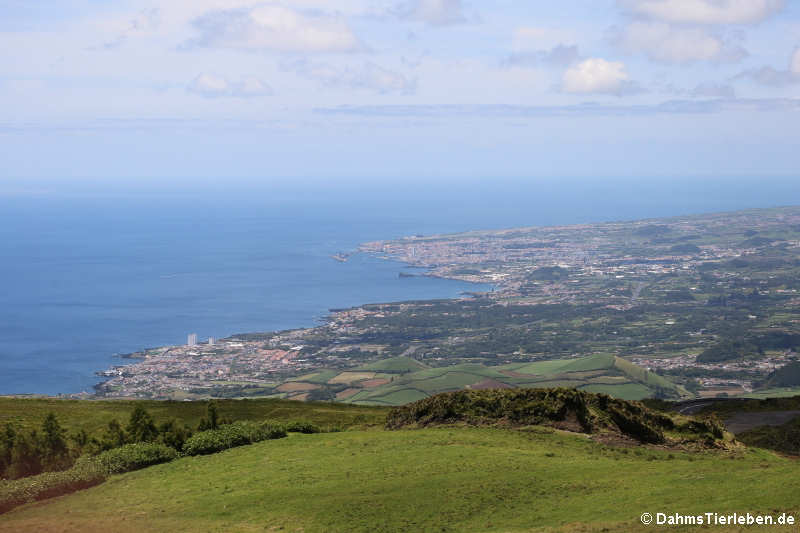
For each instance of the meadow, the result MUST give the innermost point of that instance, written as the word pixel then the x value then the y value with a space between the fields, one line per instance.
pixel 94 415
pixel 439 479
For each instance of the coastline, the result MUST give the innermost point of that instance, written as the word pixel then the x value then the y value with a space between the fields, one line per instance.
pixel 333 315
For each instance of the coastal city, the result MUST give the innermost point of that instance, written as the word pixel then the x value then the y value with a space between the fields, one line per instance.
pixel 659 293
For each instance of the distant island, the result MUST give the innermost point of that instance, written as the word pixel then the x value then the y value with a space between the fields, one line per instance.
pixel 703 305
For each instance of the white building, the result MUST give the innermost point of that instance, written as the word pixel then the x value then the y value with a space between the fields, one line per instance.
pixel 192 339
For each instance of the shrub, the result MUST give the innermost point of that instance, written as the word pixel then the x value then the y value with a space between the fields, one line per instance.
pixel 302 426
pixel 131 457
pixel 50 484
pixel 522 407
pixel 231 436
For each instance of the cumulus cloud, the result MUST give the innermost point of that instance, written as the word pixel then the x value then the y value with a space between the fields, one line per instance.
pixel 670 44
pixel 213 86
pixel 704 11
pixel 596 75
pixel 435 12
pixel 369 76
pixel 274 27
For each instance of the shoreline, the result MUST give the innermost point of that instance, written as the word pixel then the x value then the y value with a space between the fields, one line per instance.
pixel 502 260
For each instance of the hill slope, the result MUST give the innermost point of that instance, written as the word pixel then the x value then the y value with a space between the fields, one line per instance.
pixel 436 479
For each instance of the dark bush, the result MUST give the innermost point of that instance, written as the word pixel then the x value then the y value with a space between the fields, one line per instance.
pixel 48 485
pixel 536 407
pixel 302 426
pixel 231 436
pixel 131 457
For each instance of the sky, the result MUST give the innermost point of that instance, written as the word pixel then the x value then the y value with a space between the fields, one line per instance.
pixel 116 90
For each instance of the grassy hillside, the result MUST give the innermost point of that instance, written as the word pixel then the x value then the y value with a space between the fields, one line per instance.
pixel 440 479
pixel 94 415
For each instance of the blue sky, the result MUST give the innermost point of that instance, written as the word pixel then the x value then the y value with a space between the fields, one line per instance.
pixel 379 89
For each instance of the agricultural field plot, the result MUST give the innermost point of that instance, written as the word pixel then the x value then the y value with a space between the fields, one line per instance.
pixel 598 373
pixel 351 377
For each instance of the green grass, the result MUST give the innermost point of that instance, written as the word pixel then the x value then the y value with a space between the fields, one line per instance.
pixel 763 394
pixel 625 391
pixel 627 380
pixel 318 378
pixel 445 479
pixel 94 415
pixel 395 365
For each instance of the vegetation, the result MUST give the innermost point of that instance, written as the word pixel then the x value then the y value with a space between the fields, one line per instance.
pixel 560 408
pixel 727 350
pixel 786 376
pixel 604 373
pixel 35 475
pixel 26 414
pixel 231 436
pixel 86 472
pixel 434 479
pixel 784 438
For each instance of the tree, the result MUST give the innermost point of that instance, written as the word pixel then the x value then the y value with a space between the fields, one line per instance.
pixel 113 436
pixel 141 427
pixel 25 456
pixel 6 446
pixel 55 454
pixel 174 435
pixel 212 420
pixel 213 415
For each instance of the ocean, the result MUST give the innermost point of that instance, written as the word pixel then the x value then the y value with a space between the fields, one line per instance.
pixel 90 273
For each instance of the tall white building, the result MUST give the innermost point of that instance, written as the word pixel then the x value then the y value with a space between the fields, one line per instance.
pixel 211 341
pixel 192 339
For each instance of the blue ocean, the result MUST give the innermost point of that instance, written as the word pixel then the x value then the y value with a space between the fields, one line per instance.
pixel 92 272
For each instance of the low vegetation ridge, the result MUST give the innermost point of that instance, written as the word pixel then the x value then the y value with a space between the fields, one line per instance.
pixel 568 409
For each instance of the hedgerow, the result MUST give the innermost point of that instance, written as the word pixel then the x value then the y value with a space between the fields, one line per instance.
pixel 231 436
pixel 302 426
pixel 131 457
pixel 50 484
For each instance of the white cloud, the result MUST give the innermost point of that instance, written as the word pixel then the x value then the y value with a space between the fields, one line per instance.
pixel 213 86
pixel 596 75
pixel 275 27
pixel 705 11
pixel 436 12
pixel 794 68
pixel 369 76
pixel 670 44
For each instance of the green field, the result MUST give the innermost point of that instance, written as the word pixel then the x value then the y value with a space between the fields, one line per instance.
pixel 597 373
pixel 395 365
pixel 445 479
pixel 94 415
